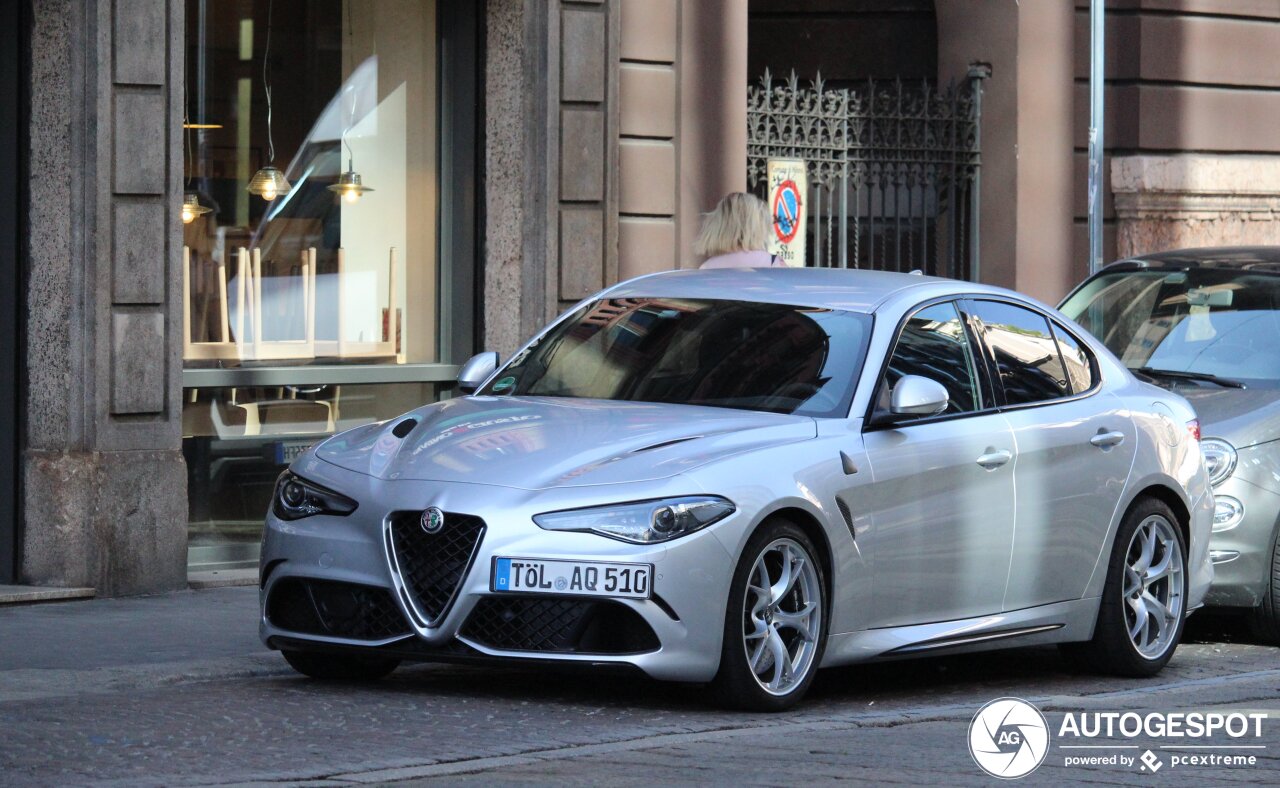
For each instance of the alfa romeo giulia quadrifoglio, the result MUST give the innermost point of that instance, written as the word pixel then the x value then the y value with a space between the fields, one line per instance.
pixel 736 477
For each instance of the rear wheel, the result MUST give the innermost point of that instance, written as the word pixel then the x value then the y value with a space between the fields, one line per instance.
pixel 347 667
pixel 1266 617
pixel 1143 605
pixel 775 626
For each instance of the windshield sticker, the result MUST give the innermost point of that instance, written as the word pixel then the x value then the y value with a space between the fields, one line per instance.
pixel 506 383
pixel 1199 324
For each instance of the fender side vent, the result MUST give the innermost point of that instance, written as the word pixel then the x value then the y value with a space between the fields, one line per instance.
pixel 848 515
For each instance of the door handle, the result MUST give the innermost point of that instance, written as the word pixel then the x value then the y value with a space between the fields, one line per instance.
pixel 994 459
pixel 1105 440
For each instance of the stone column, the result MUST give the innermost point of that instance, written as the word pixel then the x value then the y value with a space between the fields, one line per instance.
pixel 1026 211
pixel 1173 202
pixel 104 483
pixel 551 153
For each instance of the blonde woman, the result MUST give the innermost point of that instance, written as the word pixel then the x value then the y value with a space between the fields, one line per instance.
pixel 734 234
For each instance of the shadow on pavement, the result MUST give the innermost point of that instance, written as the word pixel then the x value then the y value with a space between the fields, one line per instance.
pixel 1027 671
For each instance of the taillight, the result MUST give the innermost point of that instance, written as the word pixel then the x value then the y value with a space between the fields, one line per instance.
pixel 1193 429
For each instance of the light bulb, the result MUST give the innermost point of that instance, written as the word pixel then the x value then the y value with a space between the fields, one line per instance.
pixel 188 215
pixel 351 195
pixel 269 192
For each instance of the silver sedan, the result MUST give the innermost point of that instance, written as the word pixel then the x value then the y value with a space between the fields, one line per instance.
pixel 740 476
pixel 1203 323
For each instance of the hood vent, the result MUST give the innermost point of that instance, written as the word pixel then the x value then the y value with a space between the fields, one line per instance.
pixel 664 444
pixel 404 428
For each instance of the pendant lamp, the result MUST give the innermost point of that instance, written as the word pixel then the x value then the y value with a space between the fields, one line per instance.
pixel 349 186
pixel 191 208
pixel 268 182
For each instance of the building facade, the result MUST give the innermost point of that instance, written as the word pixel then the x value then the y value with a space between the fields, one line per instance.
pixel 229 228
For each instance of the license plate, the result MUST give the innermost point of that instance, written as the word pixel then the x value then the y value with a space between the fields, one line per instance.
pixel 288 451
pixel 582 578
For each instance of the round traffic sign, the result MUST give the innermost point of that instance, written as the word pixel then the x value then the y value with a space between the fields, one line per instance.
pixel 786 211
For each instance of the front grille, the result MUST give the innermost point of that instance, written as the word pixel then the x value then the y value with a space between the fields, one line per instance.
pixel 558 624
pixel 432 566
pixel 344 610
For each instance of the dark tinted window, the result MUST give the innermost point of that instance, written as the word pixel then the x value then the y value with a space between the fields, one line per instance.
pixel 1077 358
pixel 933 344
pixel 732 354
pixel 1024 351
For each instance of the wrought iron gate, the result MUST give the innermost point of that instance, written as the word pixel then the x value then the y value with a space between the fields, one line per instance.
pixel 893 169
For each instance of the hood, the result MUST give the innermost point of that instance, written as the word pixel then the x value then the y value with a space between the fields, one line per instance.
pixel 1245 417
pixel 539 442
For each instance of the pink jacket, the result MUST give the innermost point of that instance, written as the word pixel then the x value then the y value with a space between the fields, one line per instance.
pixel 744 260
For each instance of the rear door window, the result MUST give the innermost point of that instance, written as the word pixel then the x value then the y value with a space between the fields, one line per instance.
pixel 1023 350
pixel 1077 359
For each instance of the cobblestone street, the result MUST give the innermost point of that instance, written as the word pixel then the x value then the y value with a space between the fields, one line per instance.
pixel 176 689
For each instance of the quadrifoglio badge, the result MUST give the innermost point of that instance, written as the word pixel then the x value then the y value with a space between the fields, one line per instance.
pixel 1010 738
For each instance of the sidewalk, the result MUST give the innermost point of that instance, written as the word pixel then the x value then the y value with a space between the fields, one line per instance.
pixel 102 645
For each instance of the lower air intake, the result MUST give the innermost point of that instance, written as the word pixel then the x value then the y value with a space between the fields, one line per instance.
pixel 562 625
pixel 334 609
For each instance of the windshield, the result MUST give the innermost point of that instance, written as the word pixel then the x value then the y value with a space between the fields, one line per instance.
pixel 730 354
pixel 1210 322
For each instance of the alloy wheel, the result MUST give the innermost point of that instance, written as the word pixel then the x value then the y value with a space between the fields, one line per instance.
pixel 782 616
pixel 1152 586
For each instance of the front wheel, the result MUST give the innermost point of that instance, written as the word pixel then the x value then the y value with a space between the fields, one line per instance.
pixel 344 667
pixel 1266 617
pixel 1143 606
pixel 775 625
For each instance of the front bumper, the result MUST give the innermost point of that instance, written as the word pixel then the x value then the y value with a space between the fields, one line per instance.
pixel 1242 555
pixel 685 615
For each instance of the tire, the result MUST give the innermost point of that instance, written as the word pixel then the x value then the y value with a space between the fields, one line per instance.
pixel 1113 650
pixel 801 609
pixel 1265 620
pixel 340 667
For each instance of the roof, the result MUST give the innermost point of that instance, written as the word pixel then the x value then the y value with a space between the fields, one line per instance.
pixel 832 288
pixel 1255 258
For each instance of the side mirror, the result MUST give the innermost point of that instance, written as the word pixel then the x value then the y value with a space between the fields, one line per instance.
pixel 477 369
pixel 918 396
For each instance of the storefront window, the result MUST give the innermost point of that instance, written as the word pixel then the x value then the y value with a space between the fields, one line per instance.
pixel 310 240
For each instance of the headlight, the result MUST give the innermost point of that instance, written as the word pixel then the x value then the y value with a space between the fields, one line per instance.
pixel 1227 512
pixel 642 522
pixel 1219 458
pixel 296 498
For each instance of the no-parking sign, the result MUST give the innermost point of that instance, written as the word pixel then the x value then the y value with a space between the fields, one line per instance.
pixel 786 179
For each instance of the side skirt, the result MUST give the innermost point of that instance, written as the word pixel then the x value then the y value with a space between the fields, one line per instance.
pixel 1060 622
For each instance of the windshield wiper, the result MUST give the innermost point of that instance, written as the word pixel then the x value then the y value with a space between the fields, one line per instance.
pixel 1200 377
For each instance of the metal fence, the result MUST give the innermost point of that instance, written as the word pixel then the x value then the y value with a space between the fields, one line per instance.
pixel 892 167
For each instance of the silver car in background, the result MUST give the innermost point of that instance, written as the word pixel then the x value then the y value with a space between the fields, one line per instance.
pixel 740 476
pixel 1206 324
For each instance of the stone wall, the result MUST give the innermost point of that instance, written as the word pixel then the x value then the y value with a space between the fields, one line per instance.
pixel 1173 202
pixel 611 125
pixel 104 483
